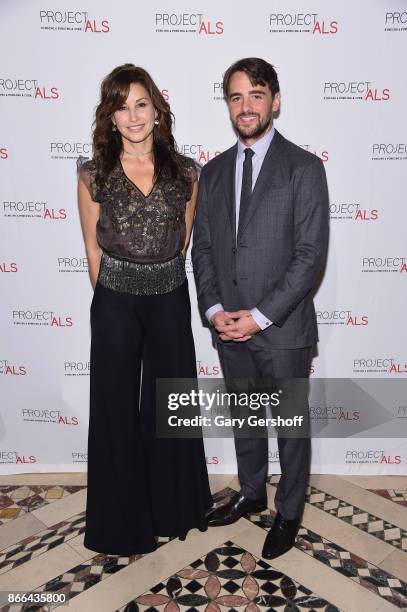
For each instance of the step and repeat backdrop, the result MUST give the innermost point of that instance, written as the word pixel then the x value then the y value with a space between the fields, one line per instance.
pixel 343 98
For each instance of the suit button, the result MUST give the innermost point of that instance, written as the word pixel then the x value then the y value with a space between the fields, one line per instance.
pixel 234 251
pixel 234 281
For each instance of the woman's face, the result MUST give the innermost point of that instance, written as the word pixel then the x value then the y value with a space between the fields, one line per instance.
pixel 135 119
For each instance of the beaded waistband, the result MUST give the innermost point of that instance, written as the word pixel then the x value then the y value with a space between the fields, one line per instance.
pixel 141 279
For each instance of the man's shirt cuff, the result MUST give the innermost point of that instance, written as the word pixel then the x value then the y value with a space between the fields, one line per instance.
pixel 213 310
pixel 262 321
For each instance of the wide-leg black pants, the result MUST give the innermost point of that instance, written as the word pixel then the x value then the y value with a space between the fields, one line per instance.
pixel 139 486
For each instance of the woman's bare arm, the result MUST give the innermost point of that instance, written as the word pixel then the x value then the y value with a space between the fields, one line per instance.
pixel 89 214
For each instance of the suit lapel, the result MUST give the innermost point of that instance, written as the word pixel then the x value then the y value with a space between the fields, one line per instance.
pixel 269 178
pixel 228 180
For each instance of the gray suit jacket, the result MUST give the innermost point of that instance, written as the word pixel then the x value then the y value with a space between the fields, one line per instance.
pixel 278 256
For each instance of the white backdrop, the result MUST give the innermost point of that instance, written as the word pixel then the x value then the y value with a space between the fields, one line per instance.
pixel 343 98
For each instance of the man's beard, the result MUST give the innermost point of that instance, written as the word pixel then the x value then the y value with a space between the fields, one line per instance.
pixel 255 132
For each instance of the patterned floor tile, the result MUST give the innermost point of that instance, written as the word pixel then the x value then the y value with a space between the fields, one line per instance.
pixel 339 559
pixel 21 493
pixel 36 545
pixel 232 595
pixel 230 578
pixel 83 576
pixel 79 579
pixel 357 517
pixel 399 496
pixel 375 526
pixel 10 513
pixel 15 500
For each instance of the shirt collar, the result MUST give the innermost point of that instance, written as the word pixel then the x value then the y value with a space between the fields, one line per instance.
pixel 259 147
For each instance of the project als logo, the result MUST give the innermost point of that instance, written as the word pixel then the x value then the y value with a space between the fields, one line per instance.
pixel 333 413
pixel 217 90
pixel 32 209
pixel 79 457
pixel 72 264
pixel 188 23
pixel 7 368
pixel 351 211
pixel 205 369
pixel 69 149
pixel 318 151
pixel 398 368
pixel 395 21
pixel 11 457
pixel 76 368
pixel 199 152
pixel 44 415
pixel 42 318
pixel 73 21
pixel 379 365
pixel 377 456
pixel 273 456
pixel 346 318
pixel 8 267
pixel 15 87
pixel 396 265
pixel 212 460
pixel 389 151
pixel 300 23
pixel 363 91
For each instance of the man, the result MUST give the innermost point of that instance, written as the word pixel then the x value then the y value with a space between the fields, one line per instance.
pixel 259 247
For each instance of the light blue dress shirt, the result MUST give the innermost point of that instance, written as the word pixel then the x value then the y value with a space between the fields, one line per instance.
pixel 259 148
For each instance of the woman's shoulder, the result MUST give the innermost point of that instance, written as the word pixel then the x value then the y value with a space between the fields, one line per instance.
pixel 87 173
pixel 191 168
pixel 86 166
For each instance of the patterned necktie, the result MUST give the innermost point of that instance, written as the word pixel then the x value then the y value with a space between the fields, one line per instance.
pixel 246 192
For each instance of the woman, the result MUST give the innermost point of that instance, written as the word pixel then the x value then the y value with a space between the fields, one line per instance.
pixel 137 199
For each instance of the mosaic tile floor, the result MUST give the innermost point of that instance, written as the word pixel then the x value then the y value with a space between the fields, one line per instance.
pixel 357 517
pixel 232 578
pixel 339 559
pixel 17 500
pixel 399 496
pixel 221 574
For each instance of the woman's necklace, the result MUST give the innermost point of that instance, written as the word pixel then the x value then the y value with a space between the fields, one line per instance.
pixel 138 154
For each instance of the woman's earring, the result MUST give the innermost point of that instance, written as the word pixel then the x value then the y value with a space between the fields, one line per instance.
pixel 156 121
pixel 114 128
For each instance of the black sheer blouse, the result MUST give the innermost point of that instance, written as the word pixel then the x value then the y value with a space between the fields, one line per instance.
pixel 139 228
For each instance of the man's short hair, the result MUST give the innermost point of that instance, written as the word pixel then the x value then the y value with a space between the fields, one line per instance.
pixel 257 70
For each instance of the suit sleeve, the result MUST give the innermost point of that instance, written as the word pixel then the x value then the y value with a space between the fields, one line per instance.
pixel 204 271
pixel 311 214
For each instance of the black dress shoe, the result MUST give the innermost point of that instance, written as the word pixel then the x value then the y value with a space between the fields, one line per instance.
pixel 281 537
pixel 236 507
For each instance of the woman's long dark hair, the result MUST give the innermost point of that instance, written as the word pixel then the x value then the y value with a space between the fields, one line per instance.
pixel 107 143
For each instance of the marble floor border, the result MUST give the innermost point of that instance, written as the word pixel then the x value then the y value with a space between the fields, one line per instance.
pixel 356 516
pixel 356 496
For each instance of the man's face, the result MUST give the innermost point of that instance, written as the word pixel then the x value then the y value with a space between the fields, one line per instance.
pixel 251 107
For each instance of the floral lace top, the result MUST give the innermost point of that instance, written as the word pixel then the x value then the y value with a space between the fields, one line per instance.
pixel 139 228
